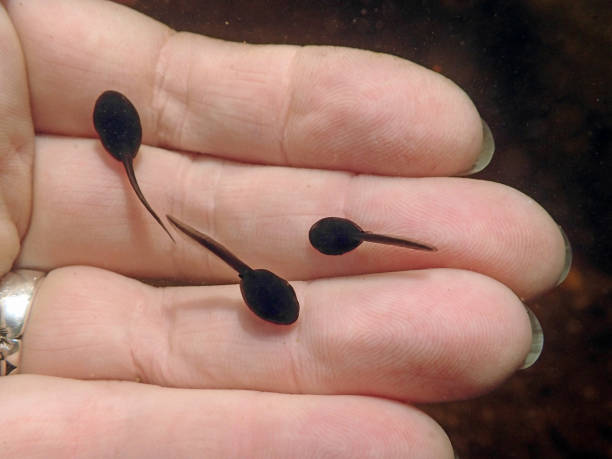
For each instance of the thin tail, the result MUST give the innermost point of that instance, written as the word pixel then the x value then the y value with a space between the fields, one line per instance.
pixel 218 249
pixel 129 168
pixel 392 240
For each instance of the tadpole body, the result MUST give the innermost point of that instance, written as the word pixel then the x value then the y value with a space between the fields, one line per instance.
pixel 269 296
pixel 117 122
pixel 336 236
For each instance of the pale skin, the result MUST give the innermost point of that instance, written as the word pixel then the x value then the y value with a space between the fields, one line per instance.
pixel 251 144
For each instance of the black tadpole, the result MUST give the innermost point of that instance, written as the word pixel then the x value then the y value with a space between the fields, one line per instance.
pixel 270 297
pixel 117 123
pixel 335 236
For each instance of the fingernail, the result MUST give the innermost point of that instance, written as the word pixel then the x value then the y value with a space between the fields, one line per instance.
pixel 537 340
pixel 568 258
pixel 486 151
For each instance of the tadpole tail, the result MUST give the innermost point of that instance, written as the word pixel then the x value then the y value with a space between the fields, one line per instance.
pixel 218 249
pixel 391 240
pixel 129 168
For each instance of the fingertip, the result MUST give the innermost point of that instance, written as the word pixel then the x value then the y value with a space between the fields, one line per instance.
pixel 388 428
pixel 504 344
pixel 375 113
pixel 486 151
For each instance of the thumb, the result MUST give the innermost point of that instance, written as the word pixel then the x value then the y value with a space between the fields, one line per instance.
pixel 16 145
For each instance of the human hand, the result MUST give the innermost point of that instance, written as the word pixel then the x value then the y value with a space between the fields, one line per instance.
pixel 279 137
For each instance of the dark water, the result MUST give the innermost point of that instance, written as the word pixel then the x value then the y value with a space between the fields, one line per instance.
pixel 540 73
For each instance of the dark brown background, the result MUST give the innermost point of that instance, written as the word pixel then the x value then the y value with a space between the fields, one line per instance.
pixel 540 73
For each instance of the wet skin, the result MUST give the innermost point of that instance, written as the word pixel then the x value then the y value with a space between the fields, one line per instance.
pixel 117 123
pixel 270 297
pixel 335 236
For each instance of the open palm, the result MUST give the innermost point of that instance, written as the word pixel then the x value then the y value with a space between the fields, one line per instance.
pixel 252 145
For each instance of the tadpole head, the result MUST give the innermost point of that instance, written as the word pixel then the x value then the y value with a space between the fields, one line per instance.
pixel 117 123
pixel 270 297
pixel 334 235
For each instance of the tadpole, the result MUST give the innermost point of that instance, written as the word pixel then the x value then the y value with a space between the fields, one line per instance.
pixel 117 123
pixel 335 236
pixel 270 297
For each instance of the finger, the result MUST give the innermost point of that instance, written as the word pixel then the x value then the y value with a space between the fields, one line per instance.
pixel 85 213
pixel 314 107
pixel 59 417
pixel 424 336
pixel 16 145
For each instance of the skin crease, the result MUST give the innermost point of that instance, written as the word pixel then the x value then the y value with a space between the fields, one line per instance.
pixel 252 144
pixel 118 125
pixel 267 295
pixel 336 236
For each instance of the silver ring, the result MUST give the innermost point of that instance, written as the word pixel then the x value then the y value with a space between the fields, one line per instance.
pixel 17 290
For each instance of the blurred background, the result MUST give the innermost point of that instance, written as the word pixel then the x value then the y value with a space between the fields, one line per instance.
pixel 540 73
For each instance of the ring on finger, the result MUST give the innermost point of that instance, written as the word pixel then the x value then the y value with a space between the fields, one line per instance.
pixel 17 290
